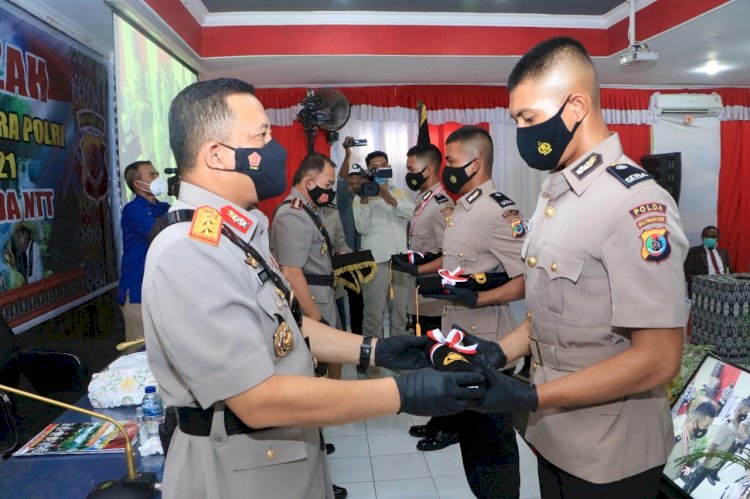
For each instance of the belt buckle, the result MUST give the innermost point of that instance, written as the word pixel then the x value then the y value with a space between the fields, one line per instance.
pixel 538 353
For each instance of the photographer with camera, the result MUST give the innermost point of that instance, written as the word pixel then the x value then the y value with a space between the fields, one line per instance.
pixel 138 217
pixel 381 216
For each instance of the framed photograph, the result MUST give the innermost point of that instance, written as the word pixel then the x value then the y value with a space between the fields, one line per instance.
pixel 712 415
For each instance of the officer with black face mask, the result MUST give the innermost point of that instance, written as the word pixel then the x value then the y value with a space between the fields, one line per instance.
pixel 604 240
pixel 302 246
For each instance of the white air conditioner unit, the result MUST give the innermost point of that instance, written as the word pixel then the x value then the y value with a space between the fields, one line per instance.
pixel 692 104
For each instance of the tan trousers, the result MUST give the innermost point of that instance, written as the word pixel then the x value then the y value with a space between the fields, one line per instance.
pixel 133 316
pixel 376 297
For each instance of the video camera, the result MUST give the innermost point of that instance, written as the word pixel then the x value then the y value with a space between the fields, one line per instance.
pixel 173 181
pixel 371 187
pixel 355 142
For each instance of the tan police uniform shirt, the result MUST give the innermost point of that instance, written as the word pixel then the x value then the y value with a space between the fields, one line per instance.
pixel 484 235
pixel 297 242
pixel 604 255
pixel 425 235
pixel 210 327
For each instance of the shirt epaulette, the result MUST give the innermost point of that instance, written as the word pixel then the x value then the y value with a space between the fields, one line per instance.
pixel 628 175
pixel 501 199
pixel 441 198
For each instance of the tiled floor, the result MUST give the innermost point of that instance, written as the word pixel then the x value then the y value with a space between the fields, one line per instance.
pixel 378 459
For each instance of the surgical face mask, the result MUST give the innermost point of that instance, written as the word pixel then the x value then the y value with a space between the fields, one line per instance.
pixel 321 196
pixel 415 180
pixel 381 181
pixel 455 177
pixel 265 165
pixel 158 186
pixel 710 242
pixel 541 146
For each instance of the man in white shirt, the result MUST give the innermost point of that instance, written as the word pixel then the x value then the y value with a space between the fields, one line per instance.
pixel 381 221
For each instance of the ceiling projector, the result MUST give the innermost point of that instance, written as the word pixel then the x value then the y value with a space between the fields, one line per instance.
pixel 638 53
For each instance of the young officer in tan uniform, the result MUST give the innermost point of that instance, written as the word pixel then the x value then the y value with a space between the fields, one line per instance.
pixel 604 290
pixel 485 234
pixel 425 235
pixel 221 337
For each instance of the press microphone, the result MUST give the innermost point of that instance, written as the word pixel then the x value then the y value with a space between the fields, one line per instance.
pixel 134 485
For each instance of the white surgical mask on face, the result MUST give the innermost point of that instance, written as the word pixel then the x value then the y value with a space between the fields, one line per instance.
pixel 158 186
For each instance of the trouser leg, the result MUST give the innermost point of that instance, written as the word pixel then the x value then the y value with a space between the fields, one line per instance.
pixel 397 306
pixel 375 294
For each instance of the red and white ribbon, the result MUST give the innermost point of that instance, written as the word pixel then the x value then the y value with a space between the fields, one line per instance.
pixel 453 340
pixel 452 277
pixel 410 256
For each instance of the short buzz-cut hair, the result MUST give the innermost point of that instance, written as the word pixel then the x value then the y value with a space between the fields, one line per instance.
pixel 375 154
pixel 709 227
pixel 131 173
pixel 311 164
pixel 428 153
pixel 544 56
pixel 200 113
pixel 479 137
pixel 705 409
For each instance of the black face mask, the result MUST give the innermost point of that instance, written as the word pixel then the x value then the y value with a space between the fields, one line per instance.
pixel 415 180
pixel 265 165
pixel 455 177
pixel 699 432
pixel 321 196
pixel 741 417
pixel 541 146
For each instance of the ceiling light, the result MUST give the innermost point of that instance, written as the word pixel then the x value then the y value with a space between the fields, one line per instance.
pixel 711 68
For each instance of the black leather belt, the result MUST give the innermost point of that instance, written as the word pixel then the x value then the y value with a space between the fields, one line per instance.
pixel 319 279
pixel 194 421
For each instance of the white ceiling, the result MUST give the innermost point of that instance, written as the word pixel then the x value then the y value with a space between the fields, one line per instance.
pixel 721 35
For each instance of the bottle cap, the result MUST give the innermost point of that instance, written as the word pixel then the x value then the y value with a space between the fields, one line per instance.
pixel 150 389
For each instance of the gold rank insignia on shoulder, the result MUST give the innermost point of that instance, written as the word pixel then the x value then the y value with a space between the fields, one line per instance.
pixel 474 195
pixel 296 204
pixel 206 226
pixel 283 340
pixel 235 219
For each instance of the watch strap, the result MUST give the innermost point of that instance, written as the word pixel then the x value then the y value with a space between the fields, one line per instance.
pixel 364 354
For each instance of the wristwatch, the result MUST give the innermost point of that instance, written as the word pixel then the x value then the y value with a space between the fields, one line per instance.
pixel 364 354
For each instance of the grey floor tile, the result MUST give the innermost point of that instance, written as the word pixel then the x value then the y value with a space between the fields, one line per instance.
pixel 392 443
pixel 349 446
pixel 415 488
pixel 399 467
pixel 350 469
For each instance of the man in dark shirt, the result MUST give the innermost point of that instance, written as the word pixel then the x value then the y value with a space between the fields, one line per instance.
pixel 138 217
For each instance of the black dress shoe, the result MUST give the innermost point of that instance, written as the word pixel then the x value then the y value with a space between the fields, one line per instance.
pixel 419 431
pixel 330 449
pixel 439 440
pixel 339 492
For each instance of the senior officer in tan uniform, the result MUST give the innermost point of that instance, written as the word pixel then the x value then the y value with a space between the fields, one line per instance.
pixel 604 292
pixel 485 234
pixel 425 235
pixel 221 338
pixel 302 245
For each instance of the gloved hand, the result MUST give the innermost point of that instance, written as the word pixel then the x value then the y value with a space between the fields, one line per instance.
pixel 506 394
pixel 402 352
pixel 457 295
pixel 428 392
pixel 489 350
pixel 398 264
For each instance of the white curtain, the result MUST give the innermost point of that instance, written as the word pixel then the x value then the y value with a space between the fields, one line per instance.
pixel 700 145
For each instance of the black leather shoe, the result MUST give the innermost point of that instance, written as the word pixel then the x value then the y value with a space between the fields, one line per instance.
pixel 330 449
pixel 440 440
pixel 419 431
pixel 339 492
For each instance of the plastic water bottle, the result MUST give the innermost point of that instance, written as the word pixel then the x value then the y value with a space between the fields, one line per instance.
pixel 153 411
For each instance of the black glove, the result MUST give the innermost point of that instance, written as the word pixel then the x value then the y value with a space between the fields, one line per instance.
pixel 323 321
pixel 457 295
pixel 428 392
pixel 400 265
pixel 489 350
pixel 506 394
pixel 402 352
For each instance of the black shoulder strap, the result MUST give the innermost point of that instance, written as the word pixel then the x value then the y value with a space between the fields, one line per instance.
pixel 628 175
pixel 316 221
pixel 502 199
pixel 256 260
pixel 169 218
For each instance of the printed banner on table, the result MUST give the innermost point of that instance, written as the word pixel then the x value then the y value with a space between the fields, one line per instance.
pixel 55 229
